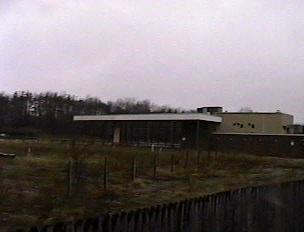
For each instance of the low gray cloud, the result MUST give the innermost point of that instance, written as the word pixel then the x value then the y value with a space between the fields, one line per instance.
pixel 184 53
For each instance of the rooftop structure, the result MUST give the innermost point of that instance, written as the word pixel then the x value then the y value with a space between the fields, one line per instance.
pixel 295 129
pixel 210 110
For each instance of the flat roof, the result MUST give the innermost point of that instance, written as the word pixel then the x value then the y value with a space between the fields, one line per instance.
pixel 261 134
pixel 150 117
pixel 279 113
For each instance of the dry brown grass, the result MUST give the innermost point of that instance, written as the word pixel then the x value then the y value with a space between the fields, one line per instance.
pixel 33 188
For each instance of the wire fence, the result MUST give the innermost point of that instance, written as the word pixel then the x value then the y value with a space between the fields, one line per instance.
pixel 71 166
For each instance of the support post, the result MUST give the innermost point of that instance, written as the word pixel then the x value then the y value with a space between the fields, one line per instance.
pixel 128 132
pixel 148 132
pixel 197 135
pixel 172 132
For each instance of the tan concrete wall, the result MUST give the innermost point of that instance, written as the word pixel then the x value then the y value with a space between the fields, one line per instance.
pixel 269 123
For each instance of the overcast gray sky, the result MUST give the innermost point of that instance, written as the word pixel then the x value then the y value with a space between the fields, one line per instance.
pixel 192 53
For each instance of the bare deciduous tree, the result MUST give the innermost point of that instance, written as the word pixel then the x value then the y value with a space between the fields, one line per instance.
pixel 245 109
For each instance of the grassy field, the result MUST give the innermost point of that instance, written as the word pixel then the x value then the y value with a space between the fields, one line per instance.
pixel 33 187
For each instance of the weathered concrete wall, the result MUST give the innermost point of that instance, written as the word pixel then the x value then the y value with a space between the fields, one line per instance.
pixel 276 208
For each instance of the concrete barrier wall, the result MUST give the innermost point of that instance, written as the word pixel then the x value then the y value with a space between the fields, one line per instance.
pixel 275 208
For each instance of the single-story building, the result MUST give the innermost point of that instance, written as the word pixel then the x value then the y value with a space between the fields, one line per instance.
pixel 168 129
pixel 187 130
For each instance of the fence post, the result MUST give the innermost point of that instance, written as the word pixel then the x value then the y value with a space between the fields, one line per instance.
pixel 70 178
pixel 134 168
pixel 152 148
pixel 198 159
pixel 186 160
pixel 142 166
pixel 67 149
pixel 155 165
pixel 172 163
pixel 105 174
pixel 29 150
pixel 1 178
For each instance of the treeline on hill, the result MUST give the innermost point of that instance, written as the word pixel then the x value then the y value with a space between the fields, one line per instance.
pixel 51 111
